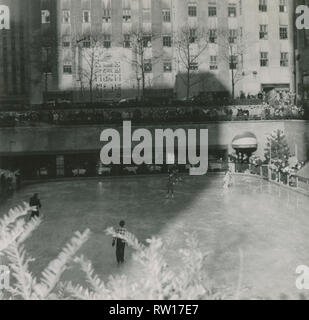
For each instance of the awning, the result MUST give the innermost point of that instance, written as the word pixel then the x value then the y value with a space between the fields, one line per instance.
pixel 247 140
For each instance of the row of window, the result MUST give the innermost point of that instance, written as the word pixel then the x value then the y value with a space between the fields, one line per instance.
pixel 168 42
pixel 283 32
pixel 264 59
pixel 166 13
pixel 213 63
pixel 263 5
pixel 107 42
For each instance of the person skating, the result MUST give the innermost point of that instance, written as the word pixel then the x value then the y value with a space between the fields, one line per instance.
pixel 35 204
pixel 170 185
pixel 228 180
pixel 120 243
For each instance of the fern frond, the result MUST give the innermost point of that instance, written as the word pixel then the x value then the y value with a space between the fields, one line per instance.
pixel 130 238
pixel 19 264
pixel 32 225
pixel 80 293
pixel 120 288
pixel 11 226
pixel 18 232
pixel 51 275
pixel 12 216
pixel 96 283
pixel 8 237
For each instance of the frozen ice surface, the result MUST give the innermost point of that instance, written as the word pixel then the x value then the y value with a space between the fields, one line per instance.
pixel 267 223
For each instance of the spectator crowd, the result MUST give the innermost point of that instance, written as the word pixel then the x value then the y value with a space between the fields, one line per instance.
pixel 9 181
pixel 278 106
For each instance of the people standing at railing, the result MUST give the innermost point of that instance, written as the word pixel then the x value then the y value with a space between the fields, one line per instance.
pixel 7 182
pixel 150 114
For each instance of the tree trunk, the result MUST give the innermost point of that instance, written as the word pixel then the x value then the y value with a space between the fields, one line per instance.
pixel 143 85
pixel 233 84
pixel 91 92
pixel 142 69
pixel 45 86
pixel 188 83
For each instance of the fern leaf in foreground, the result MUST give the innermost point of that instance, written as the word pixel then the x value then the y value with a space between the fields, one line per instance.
pixel 51 275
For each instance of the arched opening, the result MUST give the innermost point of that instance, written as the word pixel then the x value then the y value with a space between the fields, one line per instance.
pixel 245 145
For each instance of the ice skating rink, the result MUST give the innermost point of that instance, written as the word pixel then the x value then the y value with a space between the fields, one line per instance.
pixel 265 224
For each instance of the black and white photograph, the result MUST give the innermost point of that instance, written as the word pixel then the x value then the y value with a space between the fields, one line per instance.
pixel 154 150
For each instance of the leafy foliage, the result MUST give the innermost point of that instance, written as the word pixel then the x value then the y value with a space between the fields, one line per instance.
pixel 155 280
pixel 277 150
pixel 14 230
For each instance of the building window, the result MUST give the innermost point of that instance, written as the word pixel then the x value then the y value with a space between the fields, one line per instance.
pixel 166 13
pixel 193 66
pixel 192 10
pixel 127 41
pixel 126 16
pixel 167 41
pixel 193 36
pixel 86 44
pixel 283 32
pixel 213 63
pixel 283 6
pixel 232 35
pixel 212 11
pixel 233 62
pixel 213 35
pixel 45 16
pixel 146 41
pixel 66 16
pixel 232 11
pixel 146 15
pixel 263 5
pixel 107 15
pixel 66 44
pixel 263 32
pixel 264 59
pixel 284 59
pixel 147 66
pixel 86 16
pixel 167 67
pixel 67 68
pixel 107 43
pixel 60 165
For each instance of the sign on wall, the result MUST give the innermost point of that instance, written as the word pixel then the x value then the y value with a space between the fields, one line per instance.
pixel 109 79
pixel 4 17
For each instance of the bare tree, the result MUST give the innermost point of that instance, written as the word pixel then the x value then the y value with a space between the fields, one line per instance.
pixel 233 48
pixel 142 58
pixel 190 44
pixel 88 50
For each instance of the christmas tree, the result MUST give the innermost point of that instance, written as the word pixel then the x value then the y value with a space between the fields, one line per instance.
pixel 277 150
